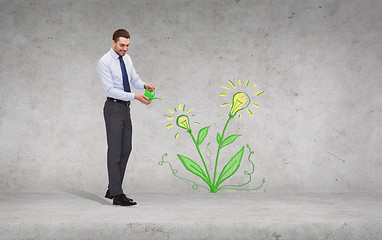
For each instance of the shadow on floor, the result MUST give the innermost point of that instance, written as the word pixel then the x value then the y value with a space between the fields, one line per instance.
pixel 90 196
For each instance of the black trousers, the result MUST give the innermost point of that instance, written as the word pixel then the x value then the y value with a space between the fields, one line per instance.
pixel 119 137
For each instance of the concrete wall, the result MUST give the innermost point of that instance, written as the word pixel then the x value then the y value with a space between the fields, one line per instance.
pixel 318 129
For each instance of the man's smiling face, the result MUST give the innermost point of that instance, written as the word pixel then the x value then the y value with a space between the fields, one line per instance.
pixel 121 46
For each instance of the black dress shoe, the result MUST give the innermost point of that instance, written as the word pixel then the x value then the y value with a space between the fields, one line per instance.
pixel 122 200
pixel 107 195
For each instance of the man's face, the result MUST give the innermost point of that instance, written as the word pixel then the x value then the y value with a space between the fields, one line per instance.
pixel 121 46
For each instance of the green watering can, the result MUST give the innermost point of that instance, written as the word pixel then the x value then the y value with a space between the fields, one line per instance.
pixel 150 94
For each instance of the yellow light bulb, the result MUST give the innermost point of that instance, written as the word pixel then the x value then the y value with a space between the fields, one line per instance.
pixel 239 102
pixel 183 122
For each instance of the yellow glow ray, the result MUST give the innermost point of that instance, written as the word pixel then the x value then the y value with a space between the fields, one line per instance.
pixel 180 107
pixel 257 94
pixel 169 126
pixel 246 83
pixel 170 111
pixel 169 118
pixel 223 94
pixel 239 115
pixel 196 123
pixel 224 104
pixel 233 85
pixel 249 111
pixel 190 110
pixel 254 85
pixel 256 105
pixel 239 81
pixel 177 135
pixel 225 87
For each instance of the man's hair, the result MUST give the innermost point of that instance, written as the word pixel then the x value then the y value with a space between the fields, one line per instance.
pixel 120 33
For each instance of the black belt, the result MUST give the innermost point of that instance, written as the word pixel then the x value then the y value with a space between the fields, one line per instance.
pixel 119 101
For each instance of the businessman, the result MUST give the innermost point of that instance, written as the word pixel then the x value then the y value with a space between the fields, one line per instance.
pixel 117 75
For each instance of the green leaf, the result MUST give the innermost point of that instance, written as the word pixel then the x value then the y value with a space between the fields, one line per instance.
pixel 230 140
pixel 202 135
pixel 193 167
pixel 218 138
pixel 231 167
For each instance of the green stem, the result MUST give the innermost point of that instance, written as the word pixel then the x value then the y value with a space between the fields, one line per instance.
pixel 220 147
pixel 204 163
pixel 236 188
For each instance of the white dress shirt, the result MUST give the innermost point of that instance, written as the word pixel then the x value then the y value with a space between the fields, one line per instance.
pixel 109 70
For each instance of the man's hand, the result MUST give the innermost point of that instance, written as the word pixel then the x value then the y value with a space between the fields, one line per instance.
pixel 142 98
pixel 149 85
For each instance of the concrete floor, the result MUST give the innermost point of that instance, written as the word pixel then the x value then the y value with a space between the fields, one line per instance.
pixel 238 215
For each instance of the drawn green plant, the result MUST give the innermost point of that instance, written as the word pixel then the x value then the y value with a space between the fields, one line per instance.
pixel 239 102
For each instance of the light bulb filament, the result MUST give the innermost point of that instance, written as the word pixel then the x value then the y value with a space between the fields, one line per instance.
pixel 240 101
pixel 183 122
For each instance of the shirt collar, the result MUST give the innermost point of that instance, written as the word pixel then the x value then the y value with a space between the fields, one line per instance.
pixel 114 54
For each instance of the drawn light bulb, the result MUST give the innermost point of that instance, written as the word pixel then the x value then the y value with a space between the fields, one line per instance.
pixel 183 122
pixel 239 102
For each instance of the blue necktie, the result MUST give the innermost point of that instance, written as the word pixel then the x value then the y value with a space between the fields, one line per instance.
pixel 126 85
